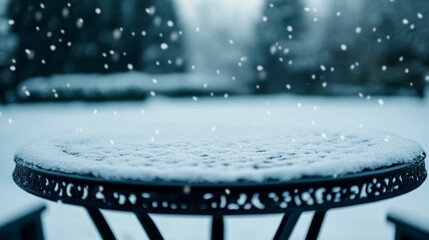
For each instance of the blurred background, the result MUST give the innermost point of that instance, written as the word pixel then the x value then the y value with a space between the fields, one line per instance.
pixel 98 65
pixel 104 50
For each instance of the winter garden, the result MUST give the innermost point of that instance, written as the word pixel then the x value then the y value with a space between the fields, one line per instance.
pixel 216 119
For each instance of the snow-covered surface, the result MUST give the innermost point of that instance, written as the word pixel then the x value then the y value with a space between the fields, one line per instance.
pixel 407 117
pixel 196 154
pixel 90 86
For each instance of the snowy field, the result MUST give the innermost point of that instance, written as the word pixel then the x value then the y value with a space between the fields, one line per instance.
pixel 405 116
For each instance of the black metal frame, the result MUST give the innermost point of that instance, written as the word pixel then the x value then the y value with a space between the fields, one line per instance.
pixel 317 194
pixel 405 230
pixel 25 226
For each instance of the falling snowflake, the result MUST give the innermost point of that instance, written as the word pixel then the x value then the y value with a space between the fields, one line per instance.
pixel 164 46
pixel 79 23
pixel 358 30
pixel 186 189
pixel 386 139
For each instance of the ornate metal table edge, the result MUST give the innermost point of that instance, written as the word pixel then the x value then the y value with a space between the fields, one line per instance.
pixel 224 200
pixel 290 198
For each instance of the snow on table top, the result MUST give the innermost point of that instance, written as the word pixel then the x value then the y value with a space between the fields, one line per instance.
pixel 194 155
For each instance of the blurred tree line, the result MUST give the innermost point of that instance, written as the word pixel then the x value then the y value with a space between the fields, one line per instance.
pixel 82 36
pixel 377 47
pixel 354 46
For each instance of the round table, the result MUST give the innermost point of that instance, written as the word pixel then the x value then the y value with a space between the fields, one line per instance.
pixel 174 194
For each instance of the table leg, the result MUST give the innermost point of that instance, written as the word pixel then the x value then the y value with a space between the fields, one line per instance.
pixel 101 224
pixel 286 226
pixel 149 226
pixel 315 226
pixel 217 228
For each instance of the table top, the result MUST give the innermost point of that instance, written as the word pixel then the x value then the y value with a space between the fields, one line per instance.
pixel 222 174
pixel 231 156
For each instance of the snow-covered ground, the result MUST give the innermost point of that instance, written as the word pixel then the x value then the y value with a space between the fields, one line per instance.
pixel 408 117
pixel 125 85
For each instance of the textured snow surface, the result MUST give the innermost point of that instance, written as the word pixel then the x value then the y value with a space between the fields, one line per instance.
pixel 199 154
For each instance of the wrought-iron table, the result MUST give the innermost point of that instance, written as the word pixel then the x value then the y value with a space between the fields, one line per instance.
pixel 227 173
pixel 317 194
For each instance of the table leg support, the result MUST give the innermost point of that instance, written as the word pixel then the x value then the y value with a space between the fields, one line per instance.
pixel 101 224
pixel 286 226
pixel 149 226
pixel 217 228
pixel 316 224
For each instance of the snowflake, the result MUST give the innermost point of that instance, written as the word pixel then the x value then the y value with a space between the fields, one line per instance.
pixel 164 46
